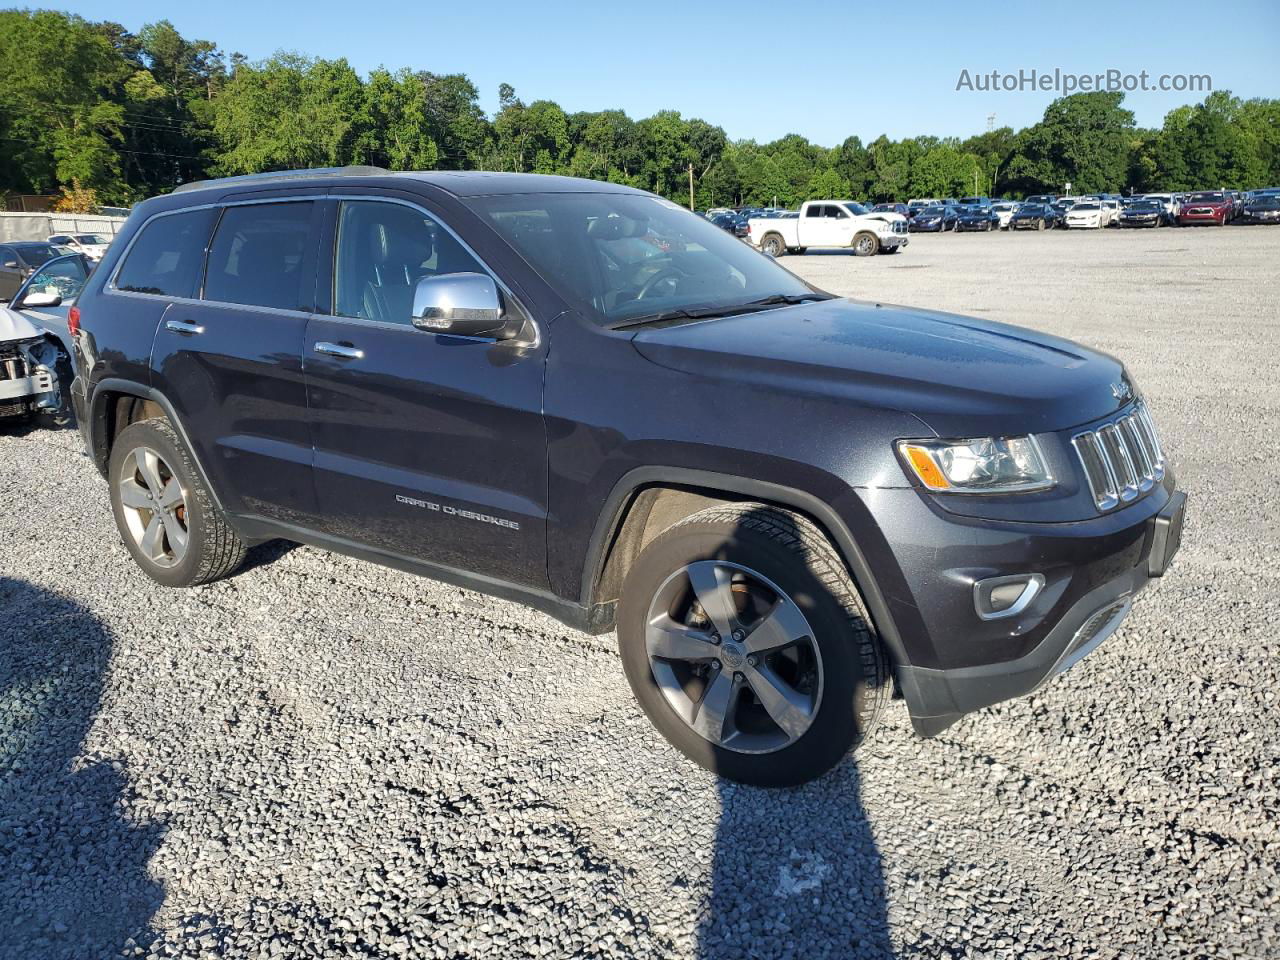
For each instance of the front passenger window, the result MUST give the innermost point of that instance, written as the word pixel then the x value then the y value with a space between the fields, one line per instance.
pixel 383 250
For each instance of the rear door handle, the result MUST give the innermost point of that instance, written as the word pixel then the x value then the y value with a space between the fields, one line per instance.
pixel 339 350
pixel 187 329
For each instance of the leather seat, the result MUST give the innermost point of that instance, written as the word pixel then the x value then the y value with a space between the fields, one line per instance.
pixel 397 254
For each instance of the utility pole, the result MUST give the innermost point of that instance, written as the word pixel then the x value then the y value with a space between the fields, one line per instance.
pixel 691 185
pixel 991 122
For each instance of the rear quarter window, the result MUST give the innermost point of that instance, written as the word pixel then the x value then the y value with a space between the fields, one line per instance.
pixel 166 258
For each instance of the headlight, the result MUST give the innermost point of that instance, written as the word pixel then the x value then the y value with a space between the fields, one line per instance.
pixel 986 465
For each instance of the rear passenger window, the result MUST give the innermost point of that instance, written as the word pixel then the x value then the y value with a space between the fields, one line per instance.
pixel 166 257
pixel 256 257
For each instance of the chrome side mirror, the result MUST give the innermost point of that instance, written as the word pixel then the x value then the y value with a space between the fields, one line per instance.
pixel 464 304
pixel 41 299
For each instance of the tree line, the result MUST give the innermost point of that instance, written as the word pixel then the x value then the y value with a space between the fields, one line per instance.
pixel 93 110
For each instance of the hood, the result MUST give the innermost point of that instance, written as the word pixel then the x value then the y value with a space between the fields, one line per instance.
pixel 14 326
pixel 888 216
pixel 960 375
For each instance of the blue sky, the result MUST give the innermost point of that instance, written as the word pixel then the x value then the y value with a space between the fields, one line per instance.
pixel 760 69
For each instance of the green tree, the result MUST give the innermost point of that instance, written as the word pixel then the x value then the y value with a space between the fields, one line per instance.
pixel 1082 140
pixel 60 116
pixel 289 112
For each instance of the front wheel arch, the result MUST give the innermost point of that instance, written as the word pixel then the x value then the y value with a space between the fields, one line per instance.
pixel 610 533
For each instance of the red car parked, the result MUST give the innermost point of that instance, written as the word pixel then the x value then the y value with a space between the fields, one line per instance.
pixel 1215 207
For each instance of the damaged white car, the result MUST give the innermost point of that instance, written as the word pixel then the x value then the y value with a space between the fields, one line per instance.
pixel 28 368
pixel 35 342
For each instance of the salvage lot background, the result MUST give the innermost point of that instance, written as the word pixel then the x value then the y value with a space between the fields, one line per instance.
pixel 322 757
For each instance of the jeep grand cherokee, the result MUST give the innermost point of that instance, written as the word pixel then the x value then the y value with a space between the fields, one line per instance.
pixel 582 397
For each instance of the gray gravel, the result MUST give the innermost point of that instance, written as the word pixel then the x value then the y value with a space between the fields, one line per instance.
pixel 319 757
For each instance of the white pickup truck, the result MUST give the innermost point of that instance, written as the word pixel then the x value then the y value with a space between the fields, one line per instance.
pixel 830 223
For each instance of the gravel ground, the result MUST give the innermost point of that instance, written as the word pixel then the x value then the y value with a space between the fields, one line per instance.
pixel 319 757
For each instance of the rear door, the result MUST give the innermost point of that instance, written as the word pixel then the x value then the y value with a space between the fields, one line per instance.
pixel 230 358
pixel 427 446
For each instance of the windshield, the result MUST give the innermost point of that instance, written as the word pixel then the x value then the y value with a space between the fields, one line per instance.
pixel 932 212
pixel 856 209
pixel 1084 206
pixel 92 238
pixel 1144 205
pixel 623 256
pixel 63 276
pixel 1204 197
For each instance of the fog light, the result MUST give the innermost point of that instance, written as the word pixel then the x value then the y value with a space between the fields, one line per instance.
pixel 999 597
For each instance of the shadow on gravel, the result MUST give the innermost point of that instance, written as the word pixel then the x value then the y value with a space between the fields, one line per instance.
pixel 796 874
pixel 73 872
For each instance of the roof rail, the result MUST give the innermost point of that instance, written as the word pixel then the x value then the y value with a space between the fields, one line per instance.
pixel 281 175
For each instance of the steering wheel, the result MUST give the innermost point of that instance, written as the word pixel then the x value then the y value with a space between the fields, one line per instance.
pixel 670 273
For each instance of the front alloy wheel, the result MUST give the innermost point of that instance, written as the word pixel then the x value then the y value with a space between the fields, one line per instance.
pixel 734 657
pixel 746 643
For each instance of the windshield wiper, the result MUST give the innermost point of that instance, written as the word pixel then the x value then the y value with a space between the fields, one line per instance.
pixel 787 298
pixel 705 313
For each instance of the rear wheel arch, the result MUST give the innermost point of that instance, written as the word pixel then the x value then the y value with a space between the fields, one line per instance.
pixel 116 404
pixel 650 500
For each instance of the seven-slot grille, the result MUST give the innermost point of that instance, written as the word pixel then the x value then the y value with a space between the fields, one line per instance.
pixel 1122 459
pixel 899 226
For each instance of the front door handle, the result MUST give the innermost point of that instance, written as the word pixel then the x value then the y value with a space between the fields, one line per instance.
pixel 343 350
pixel 186 329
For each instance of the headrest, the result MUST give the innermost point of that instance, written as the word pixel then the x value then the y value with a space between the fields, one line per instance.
pixel 396 244
pixel 615 228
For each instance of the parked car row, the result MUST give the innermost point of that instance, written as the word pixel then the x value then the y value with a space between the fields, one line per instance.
pixel 1093 211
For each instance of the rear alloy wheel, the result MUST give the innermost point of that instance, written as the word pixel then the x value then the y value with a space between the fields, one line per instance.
pixel 866 245
pixel 746 643
pixel 164 511
pixel 773 245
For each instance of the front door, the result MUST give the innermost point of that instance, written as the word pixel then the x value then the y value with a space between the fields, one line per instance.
pixel 10 273
pixel 826 225
pixel 427 446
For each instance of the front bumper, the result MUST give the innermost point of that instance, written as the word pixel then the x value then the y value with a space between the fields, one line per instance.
pixel 1190 219
pixel 892 240
pixel 1093 570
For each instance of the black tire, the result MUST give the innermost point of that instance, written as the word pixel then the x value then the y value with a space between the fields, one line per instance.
pixel 773 245
pixel 801 250
pixel 897 249
pixel 865 244
pixel 792 553
pixel 213 549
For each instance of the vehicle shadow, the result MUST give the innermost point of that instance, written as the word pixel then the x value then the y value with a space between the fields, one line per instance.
pixel 796 873
pixel 73 871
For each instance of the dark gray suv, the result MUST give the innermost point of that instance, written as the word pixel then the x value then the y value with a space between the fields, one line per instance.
pixel 583 397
